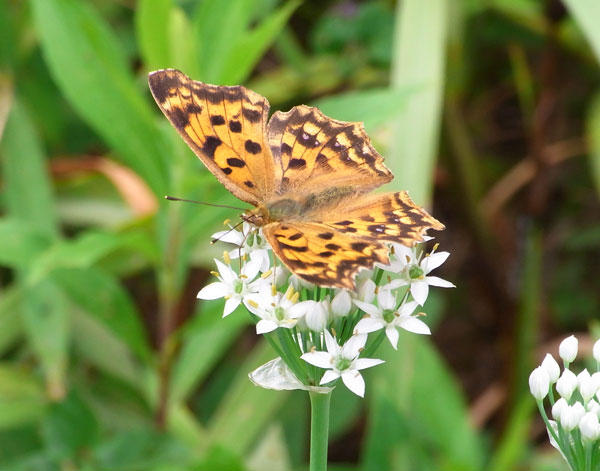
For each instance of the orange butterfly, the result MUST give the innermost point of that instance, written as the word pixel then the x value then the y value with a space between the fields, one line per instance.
pixel 307 175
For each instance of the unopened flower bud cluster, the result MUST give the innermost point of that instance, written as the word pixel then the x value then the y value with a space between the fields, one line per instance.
pixel 575 429
pixel 324 327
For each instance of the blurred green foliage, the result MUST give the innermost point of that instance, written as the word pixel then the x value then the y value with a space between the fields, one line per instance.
pixel 107 361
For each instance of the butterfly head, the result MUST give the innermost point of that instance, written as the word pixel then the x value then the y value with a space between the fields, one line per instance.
pixel 258 216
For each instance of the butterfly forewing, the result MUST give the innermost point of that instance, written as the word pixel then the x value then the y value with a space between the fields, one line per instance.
pixel 224 126
pixel 311 149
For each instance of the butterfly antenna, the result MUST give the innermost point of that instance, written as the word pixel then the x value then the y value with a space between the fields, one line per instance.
pixel 173 198
pixel 225 233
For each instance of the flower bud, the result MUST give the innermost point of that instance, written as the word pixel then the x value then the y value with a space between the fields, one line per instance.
pixel 341 304
pixel 566 384
pixel 366 290
pixel 539 383
pixel 551 366
pixel 593 406
pixel 589 427
pixel 316 318
pixel 587 386
pixel 596 351
pixel 558 407
pixel 571 415
pixel 568 349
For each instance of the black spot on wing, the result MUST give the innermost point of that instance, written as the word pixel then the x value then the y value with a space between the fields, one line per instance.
pixel 325 236
pixel 235 126
pixel 210 145
pixel 286 149
pixel 161 82
pixel 359 246
pixel 293 248
pixel 235 162
pixel 217 120
pixel 297 163
pixel 253 116
pixel 252 147
pixel 226 170
pixel 249 184
pixel 295 236
pixel 332 247
pixel 326 254
pixel 180 118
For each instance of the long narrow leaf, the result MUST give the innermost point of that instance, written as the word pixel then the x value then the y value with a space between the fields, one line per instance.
pixel 89 67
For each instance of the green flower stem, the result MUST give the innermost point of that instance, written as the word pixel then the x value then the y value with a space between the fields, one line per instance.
pixel 370 350
pixel 563 442
pixel 319 430
pixel 588 457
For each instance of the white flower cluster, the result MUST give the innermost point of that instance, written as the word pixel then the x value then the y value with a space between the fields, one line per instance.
pixel 575 429
pixel 325 327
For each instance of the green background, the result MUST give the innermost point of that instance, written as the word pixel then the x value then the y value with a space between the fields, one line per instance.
pixel 488 111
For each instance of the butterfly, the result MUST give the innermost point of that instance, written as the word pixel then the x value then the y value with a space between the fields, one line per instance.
pixel 308 177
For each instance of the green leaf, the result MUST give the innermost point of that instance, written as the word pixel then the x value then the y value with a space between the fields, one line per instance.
pixel 46 322
pixel 11 327
pixel 204 343
pixel 103 297
pixel 587 16
pixel 418 62
pixel 21 243
pixel 593 137
pixel 254 44
pixel 100 346
pixel 82 252
pixel 28 189
pixel 21 397
pixel 246 409
pixel 152 32
pixel 418 404
pixel 372 107
pixel 89 66
pixel 70 427
pixel 219 27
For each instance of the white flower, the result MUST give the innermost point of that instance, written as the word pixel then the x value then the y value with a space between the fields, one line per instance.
pixel 250 242
pixel 596 351
pixel 551 366
pixel 539 383
pixel 341 304
pixel 587 386
pixel 231 286
pixel 415 273
pixel 343 361
pixel 365 290
pixel 571 415
pixel 568 349
pixel 316 317
pixel 566 384
pixel 589 427
pixel 593 406
pixel 386 316
pixel 558 407
pixel 275 310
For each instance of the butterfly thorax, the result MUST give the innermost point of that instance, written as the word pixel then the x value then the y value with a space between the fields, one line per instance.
pixel 297 207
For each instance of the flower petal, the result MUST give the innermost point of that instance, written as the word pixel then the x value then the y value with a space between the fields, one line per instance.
pixel 362 363
pixel 407 308
pixel 436 281
pixel 231 305
pixel 354 382
pixel 320 359
pixel 332 346
pixel 329 376
pixel 368 308
pixel 353 345
pixel 369 324
pixel 420 290
pixel 213 291
pixel 263 326
pixel 414 325
pixel 433 261
pixel 227 274
pixel 392 334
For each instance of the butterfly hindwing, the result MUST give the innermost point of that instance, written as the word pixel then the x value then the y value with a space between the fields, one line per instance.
pixel 323 255
pixel 311 148
pixel 224 126
pixel 391 217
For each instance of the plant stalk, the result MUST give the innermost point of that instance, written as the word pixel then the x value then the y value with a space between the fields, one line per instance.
pixel 319 430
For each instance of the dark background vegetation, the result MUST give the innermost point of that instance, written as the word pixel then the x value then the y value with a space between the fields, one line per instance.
pixel 487 109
